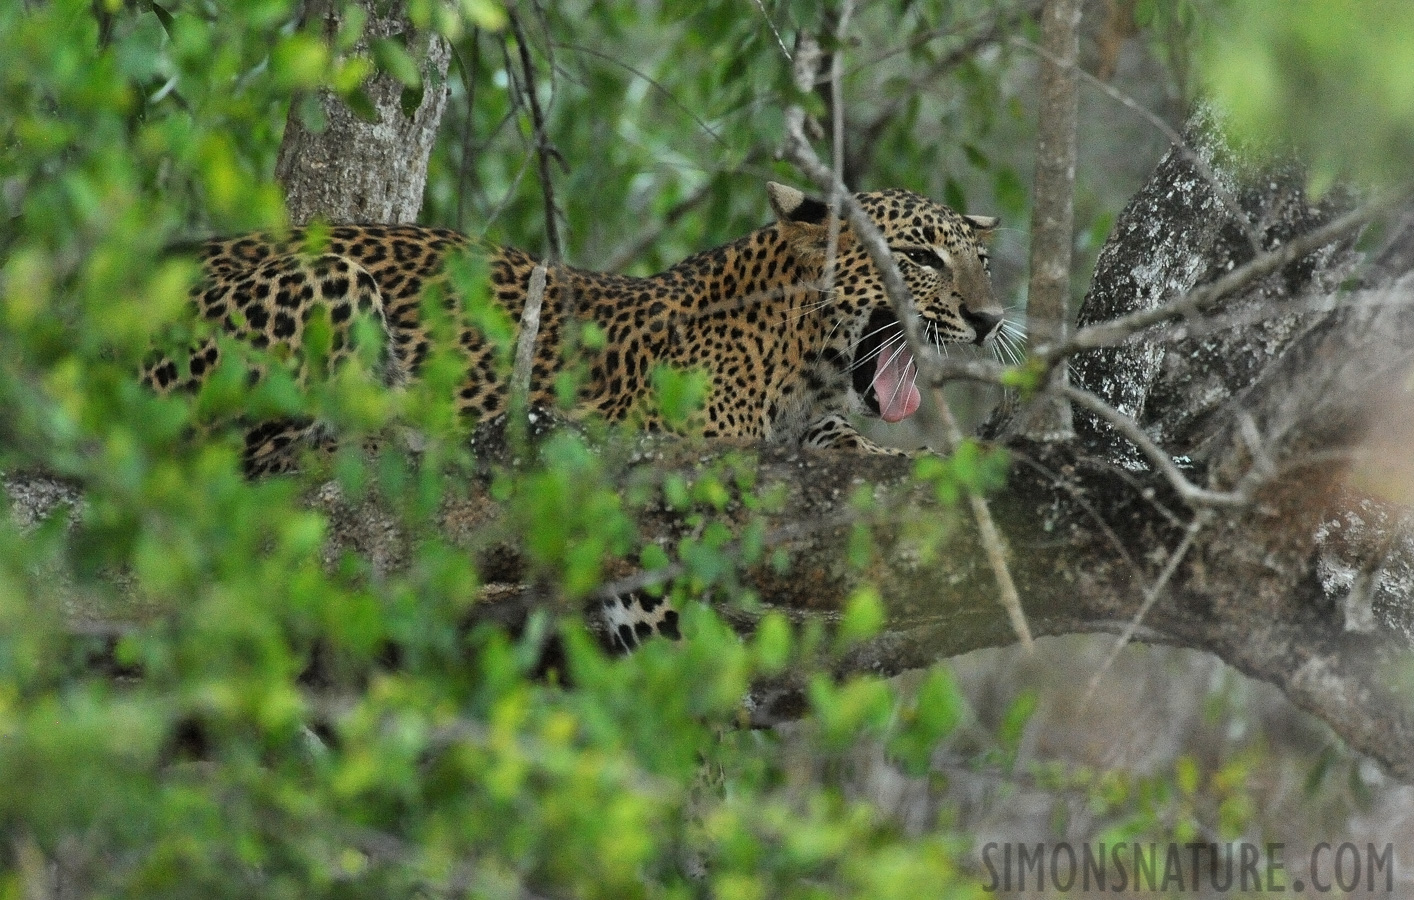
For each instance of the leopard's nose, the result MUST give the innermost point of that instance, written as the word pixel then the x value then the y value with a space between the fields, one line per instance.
pixel 983 323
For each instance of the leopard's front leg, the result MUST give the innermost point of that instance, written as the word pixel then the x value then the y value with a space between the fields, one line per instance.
pixel 835 432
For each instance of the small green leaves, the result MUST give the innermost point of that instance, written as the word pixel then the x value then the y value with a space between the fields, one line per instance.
pixel 933 713
pixel 863 616
pixel 970 468
pixel 680 394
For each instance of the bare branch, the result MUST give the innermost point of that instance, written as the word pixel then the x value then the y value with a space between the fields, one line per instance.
pixel 767 16
pixel 519 401
pixel 991 372
pixel 543 149
pixel 993 543
pixel 653 83
pixel 1115 331
pixel 1163 463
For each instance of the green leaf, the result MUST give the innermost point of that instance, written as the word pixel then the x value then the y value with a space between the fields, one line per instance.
pixel 361 105
pixel 392 56
pixel 163 16
pixel 680 394
pixel 863 616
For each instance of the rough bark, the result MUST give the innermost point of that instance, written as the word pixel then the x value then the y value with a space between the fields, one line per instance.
pixel 1296 385
pixel 355 170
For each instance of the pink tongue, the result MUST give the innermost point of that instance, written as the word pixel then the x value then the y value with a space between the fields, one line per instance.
pixel 896 391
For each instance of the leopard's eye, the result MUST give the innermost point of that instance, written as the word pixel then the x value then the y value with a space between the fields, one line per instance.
pixel 926 258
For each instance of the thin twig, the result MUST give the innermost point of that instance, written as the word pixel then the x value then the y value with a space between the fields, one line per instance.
pixel 1162 462
pixel 519 400
pixel 651 82
pixel 779 43
pixel 1246 487
pixel 1078 497
pixel 991 372
pixel 991 537
pixel 543 148
pixel 468 75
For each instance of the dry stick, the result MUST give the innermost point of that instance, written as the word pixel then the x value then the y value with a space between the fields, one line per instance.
pixel 992 541
pixel 1220 190
pixel 797 149
pixel 767 16
pixel 543 150
pixel 525 352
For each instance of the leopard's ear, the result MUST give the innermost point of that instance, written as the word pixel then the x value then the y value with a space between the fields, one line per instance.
pixel 791 205
pixel 803 222
pixel 983 225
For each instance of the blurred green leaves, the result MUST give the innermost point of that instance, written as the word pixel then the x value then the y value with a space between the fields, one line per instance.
pixel 1330 75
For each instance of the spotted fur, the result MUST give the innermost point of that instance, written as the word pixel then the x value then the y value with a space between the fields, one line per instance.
pixel 790 361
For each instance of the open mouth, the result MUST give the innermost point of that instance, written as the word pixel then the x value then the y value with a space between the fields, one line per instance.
pixel 884 371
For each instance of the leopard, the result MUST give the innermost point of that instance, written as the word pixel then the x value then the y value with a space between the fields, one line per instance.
pixel 791 321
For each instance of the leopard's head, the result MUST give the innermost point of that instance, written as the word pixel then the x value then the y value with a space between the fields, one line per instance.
pixel 941 256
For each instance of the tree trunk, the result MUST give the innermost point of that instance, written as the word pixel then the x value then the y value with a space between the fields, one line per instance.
pixel 355 170
pixel 1053 210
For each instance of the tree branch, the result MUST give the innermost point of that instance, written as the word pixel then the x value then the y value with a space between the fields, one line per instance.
pixel 543 148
